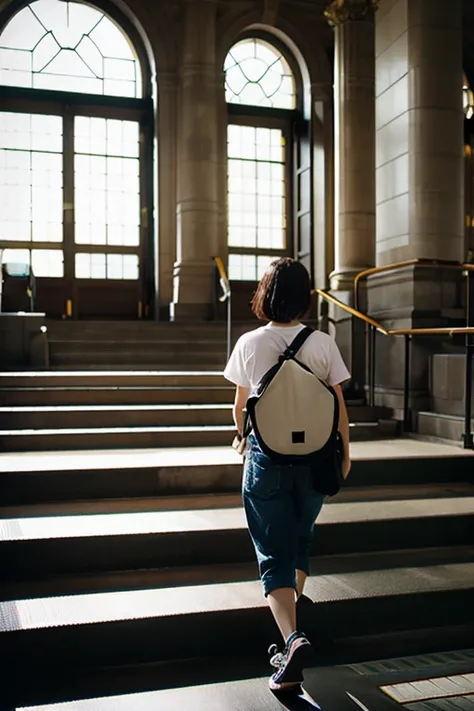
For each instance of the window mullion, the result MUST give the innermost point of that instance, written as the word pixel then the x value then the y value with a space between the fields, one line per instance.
pixel 68 198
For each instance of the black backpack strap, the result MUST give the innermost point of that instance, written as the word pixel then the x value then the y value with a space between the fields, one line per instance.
pixel 297 343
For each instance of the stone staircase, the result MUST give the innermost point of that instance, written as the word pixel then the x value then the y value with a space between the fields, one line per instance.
pixel 133 345
pixel 125 561
pixel 125 571
pixel 124 409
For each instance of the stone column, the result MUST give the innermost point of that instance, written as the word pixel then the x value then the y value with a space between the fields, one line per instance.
pixel 354 87
pixel 420 211
pixel 166 178
pixel 198 139
pixel 420 183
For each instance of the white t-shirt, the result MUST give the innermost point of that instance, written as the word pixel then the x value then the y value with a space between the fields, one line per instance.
pixel 259 350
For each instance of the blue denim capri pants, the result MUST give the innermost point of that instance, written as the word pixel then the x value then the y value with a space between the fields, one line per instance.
pixel 281 507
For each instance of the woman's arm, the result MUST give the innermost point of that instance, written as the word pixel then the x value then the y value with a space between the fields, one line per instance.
pixel 241 397
pixel 344 430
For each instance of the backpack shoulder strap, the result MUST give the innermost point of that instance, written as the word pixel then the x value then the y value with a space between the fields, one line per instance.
pixel 297 343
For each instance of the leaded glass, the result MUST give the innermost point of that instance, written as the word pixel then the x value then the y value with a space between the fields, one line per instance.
pixel 258 75
pixel 68 46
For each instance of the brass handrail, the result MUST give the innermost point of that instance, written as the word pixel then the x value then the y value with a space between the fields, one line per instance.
pixel 423 263
pixel 350 310
pixel 224 280
pixel 462 330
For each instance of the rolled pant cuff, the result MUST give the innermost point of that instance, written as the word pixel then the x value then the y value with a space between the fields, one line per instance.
pixel 272 585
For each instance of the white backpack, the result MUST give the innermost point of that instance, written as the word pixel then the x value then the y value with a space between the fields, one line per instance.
pixel 294 416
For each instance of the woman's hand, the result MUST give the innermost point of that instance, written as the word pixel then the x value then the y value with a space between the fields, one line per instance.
pixel 346 467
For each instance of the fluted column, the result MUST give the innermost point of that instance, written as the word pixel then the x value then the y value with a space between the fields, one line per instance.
pixel 198 140
pixel 354 101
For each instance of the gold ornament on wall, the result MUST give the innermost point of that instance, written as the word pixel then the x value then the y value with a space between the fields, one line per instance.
pixel 340 11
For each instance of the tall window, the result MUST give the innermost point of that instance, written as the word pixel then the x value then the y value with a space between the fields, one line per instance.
pixel 72 121
pixel 261 96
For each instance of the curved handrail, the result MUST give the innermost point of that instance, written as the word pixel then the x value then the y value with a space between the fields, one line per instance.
pixel 350 310
pixel 442 331
pixel 423 263
pixel 223 278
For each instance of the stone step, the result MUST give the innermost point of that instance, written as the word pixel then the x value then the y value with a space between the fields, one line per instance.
pixel 231 682
pixel 128 415
pixel 350 493
pixel 30 440
pixel 90 416
pixel 66 329
pixel 165 367
pixel 123 355
pixel 342 688
pixel 39 546
pixel 50 635
pixel 106 378
pixel 71 395
pixel 114 437
pixel 223 696
pixel 205 574
pixel 85 475
pixel 147 341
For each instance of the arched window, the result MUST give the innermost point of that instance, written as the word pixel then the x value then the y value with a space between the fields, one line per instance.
pixel 75 125
pixel 258 75
pixel 261 92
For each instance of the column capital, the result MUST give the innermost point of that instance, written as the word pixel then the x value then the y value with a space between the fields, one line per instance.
pixel 340 11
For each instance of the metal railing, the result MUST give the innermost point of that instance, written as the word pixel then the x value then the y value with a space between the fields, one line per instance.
pixel 225 297
pixel 373 326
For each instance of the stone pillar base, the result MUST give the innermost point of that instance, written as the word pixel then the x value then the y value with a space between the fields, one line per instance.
pixel 193 291
pixel 349 332
pixel 191 312
pixel 412 297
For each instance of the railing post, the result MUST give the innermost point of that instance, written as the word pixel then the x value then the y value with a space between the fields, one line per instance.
pixel 406 386
pixel 468 439
pixel 229 324
pixel 372 342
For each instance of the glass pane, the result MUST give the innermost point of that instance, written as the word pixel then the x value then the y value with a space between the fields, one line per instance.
pixel 256 195
pixel 68 46
pixel 97 266
pixel 16 256
pixel 262 265
pixel 31 178
pixel 83 266
pixel 107 186
pixel 249 267
pixel 130 266
pixel 48 262
pixel 257 74
pixel 44 262
pixel 107 266
pixel 235 267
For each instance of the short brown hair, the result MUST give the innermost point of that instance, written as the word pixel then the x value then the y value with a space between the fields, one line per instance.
pixel 284 292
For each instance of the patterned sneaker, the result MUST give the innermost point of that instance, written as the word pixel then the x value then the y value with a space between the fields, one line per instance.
pixel 297 655
pixel 275 656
